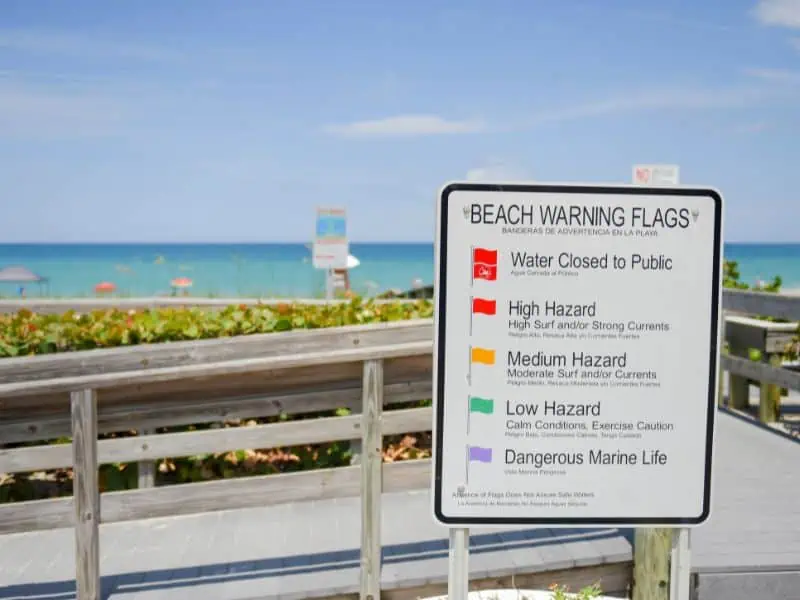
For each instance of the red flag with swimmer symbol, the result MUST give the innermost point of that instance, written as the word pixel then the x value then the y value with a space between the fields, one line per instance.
pixel 484 264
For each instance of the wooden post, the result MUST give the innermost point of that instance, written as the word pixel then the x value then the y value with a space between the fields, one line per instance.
pixel 86 494
pixel 769 402
pixel 146 468
pixel 651 563
pixel 371 485
pixel 738 386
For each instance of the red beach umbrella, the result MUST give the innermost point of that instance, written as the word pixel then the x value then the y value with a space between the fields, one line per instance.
pixel 104 286
pixel 181 282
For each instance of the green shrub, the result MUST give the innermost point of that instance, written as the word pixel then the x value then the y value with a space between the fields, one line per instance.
pixel 25 333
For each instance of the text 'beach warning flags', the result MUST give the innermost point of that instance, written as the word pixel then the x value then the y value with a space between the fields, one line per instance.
pixel 484 264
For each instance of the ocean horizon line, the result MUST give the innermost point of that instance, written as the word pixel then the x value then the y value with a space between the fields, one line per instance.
pixel 200 243
pixel 298 243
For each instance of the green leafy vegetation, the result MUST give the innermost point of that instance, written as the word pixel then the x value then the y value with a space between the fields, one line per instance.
pixel 24 333
pixel 589 592
pixel 731 279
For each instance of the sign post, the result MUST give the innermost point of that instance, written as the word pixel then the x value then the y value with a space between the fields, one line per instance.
pixel 330 244
pixel 575 357
pixel 680 550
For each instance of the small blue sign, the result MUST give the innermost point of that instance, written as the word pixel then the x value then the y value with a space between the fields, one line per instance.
pixel 331 226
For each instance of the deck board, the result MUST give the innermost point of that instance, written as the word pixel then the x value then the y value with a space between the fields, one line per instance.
pixel 289 551
pixel 755 517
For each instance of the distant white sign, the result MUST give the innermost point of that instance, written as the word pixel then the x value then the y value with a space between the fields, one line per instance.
pixel 331 247
pixel 576 349
pixel 655 174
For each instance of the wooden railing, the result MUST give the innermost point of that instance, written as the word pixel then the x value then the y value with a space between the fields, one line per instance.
pixel 141 388
pixel 746 336
pixel 741 334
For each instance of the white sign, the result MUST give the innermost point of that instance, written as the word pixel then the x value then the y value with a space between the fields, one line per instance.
pixel 576 351
pixel 331 247
pixel 655 174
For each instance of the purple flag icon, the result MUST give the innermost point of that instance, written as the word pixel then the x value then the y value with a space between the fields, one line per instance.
pixel 476 453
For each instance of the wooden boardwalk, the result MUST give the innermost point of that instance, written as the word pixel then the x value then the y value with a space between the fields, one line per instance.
pixel 300 535
pixel 310 549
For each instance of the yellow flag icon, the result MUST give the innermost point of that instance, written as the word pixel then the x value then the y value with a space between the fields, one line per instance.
pixel 483 356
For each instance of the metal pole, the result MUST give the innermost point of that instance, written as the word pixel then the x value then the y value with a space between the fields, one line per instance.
pixel 680 565
pixel 458 579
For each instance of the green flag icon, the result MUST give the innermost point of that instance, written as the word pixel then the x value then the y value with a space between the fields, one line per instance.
pixel 481 405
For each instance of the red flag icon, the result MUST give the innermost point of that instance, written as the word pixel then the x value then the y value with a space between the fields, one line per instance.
pixel 484 264
pixel 483 306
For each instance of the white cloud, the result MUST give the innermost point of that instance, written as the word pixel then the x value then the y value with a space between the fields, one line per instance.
pixel 775 75
pixel 771 85
pixel 784 13
pixel 751 128
pixel 498 171
pixel 650 100
pixel 45 112
pixel 663 17
pixel 65 44
pixel 405 126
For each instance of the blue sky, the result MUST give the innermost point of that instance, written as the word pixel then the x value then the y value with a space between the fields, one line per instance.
pixel 231 121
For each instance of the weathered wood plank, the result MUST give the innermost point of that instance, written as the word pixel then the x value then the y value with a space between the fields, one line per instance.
pixel 781 306
pixel 198 371
pixel 651 563
pixel 86 494
pixel 169 411
pixel 738 386
pixel 214 495
pixel 371 459
pixel 175 354
pixel 220 387
pixel 762 372
pixel 189 443
pixel 765 336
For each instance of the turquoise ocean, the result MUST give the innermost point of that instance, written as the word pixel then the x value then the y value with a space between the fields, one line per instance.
pixel 276 270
